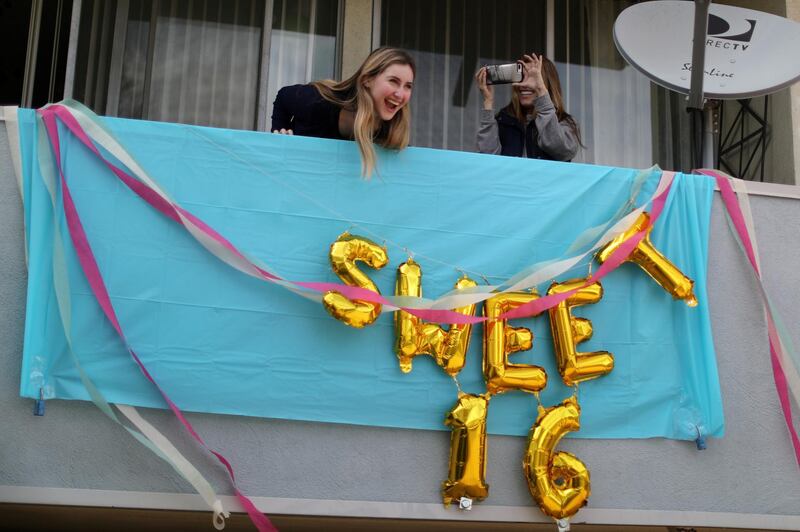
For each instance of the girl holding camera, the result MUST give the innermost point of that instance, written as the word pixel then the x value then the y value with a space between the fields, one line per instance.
pixel 371 106
pixel 534 124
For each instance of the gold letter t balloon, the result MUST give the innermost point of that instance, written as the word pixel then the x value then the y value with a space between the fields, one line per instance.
pixel 652 261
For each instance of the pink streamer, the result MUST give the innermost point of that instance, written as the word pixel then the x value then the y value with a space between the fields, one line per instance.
pixel 147 193
pixel 170 210
pixel 619 256
pixel 174 212
pixel 365 294
pixel 775 346
pixel 92 272
pixel 352 292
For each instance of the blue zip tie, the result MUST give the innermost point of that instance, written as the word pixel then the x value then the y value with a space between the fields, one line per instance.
pixel 701 443
pixel 38 405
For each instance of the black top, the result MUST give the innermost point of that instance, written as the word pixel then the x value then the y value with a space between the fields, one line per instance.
pixel 302 109
pixel 542 137
pixel 514 136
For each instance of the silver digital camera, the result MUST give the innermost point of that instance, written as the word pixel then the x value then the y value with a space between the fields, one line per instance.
pixel 499 74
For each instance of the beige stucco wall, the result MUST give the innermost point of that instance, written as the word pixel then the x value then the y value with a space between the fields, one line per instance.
pixel 357 34
pixel 793 12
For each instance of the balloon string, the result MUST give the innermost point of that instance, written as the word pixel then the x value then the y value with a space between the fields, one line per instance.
pixel 458 385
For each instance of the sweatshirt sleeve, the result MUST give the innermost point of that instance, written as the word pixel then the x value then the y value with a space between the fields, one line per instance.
pixel 488 140
pixel 282 108
pixel 556 138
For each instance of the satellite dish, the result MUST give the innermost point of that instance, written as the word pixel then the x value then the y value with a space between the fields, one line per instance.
pixel 748 53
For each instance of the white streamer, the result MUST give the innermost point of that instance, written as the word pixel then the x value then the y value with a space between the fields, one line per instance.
pixel 788 364
pixel 151 437
pixel 450 300
pixel 9 114
pixel 180 463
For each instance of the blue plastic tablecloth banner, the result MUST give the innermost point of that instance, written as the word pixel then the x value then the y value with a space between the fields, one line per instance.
pixel 219 341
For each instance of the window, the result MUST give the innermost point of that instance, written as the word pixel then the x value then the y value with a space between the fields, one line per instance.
pixel 303 46
pixel 207 62
pixel 449 42
pixel 624 119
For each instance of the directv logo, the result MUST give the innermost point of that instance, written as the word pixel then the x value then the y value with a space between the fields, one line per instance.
pixel 722 34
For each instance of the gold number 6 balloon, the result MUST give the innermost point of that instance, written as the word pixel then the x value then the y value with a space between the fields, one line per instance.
pixel 558 481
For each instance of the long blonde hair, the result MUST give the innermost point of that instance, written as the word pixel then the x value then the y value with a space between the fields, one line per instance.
pixel 352 94
pixel 553 84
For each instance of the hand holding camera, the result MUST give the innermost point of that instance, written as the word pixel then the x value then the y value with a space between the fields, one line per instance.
pixel 533 80
pixel 487 91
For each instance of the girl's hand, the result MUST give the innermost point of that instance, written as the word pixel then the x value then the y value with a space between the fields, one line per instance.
pixel 283 131
pixel 486 90
pixel 532 64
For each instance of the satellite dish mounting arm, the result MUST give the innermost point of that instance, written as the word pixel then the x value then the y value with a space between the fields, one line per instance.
pixel 698 53
pixel 694 107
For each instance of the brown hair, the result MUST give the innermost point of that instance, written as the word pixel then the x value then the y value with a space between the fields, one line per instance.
pixel 553 84
pixel 351 94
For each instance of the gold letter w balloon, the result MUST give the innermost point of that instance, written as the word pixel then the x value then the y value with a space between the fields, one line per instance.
pixel 414 337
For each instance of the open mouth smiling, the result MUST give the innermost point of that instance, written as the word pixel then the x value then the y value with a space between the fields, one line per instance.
pixel 392 105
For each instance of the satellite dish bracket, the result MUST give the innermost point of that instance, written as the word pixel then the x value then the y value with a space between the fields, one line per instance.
pixel 698 53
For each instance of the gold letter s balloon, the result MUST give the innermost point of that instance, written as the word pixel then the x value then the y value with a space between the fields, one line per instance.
pixel 344 253
pixel 448 348
pixel 653 262
pixel 467 472
pixel 558 481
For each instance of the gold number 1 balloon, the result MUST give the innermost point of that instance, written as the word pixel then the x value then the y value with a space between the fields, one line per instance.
pixel 467 472
pixel 653 262
pixel 448 348
pixel 343 255
pixel 558 481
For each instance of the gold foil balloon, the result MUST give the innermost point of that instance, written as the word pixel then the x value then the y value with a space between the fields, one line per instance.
pixel 500 340
pixel 568 331
pixel 558 481
pixel 343 255
pixel 467 472
pixel 448 348
pixel 653 262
